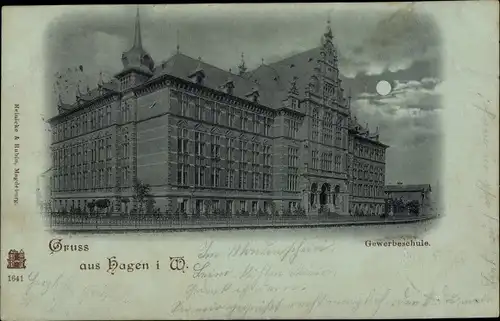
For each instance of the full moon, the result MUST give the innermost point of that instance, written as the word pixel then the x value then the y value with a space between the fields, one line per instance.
pixel 383 88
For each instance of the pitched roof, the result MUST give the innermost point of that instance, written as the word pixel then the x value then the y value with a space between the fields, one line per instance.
pixel 277 76
pixel 408 188
pixel 182 66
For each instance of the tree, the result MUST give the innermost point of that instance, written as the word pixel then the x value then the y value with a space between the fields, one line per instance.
pixel 150 205
pixel 91 206
pixel 141 193
pixel 287 213
pixel 300 212
pixel 102 204
pixel 413 207
pixel 274 211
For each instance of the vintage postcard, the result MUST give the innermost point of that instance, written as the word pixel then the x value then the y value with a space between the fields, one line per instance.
pixel 240 161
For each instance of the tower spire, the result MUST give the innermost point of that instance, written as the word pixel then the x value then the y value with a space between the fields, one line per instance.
pixel 136 57
pixel 178 46
pixel 242 67
pixel 328 33
pixel 137 36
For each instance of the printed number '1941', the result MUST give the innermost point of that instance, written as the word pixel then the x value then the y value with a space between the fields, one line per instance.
pixel 15 278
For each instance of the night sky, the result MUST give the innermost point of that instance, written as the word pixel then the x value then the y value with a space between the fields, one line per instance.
pixel 396 44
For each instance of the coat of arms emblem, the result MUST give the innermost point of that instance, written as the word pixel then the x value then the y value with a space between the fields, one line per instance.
pixel 16 260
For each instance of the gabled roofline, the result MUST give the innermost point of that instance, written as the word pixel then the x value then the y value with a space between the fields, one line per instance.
pixel 83 105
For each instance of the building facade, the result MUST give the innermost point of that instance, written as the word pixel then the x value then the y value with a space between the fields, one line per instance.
pixel 421 193
pixel 277 137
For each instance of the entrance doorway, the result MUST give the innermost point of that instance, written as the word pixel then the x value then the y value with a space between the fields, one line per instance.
pixel 323 197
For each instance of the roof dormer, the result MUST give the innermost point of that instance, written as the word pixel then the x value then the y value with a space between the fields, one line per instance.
pixel 253 95
pixel 198 75
pixel 228 86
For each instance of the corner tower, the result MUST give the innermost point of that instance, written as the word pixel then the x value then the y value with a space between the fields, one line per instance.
pixel 137 63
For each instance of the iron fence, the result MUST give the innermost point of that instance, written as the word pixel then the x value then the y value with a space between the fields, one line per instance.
pixel 169 221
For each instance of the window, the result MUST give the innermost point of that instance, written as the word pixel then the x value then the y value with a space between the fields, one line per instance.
pixel 182 157
pixel 184 104
pixel 199 206
pixel 243 205
pixel 101 117
pixel 199 172
pixel 215 177
pixel 267 127
pixel 101 178
pixel 182 174
pixel 292 128
pixel 230 178
pixel 292 157
pixel 337 163
pixel 295 104
pixel 323 161
pixel 198 114
pixel 215 113
pixel 230 149
pixel 292 169
pixel 125 176
pixel 101 149
pixel 110 177
pixel 267 182
pixel 215 150
pixel 315 160
pixel 338 135
pixel 108 148
pixel 244 121
pixel 79 155
pixel 243 177
pixel 254 207
pixel 256 124
pixel 267 155
pixel 255 180
pixel 242 151
pixel 182 205
pixel 229 206
pixel 108 115
pixel 315 125
pixel 255 153
pixel 230 117
pixel 125 146
pixel 182 141
pixel 329 162
pixel 292 180
pixel 199 143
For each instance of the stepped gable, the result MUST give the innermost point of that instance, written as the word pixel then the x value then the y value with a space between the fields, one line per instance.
pixel 182 66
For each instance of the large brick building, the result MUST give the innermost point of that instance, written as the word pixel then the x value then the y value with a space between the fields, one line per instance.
pixel 203 137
